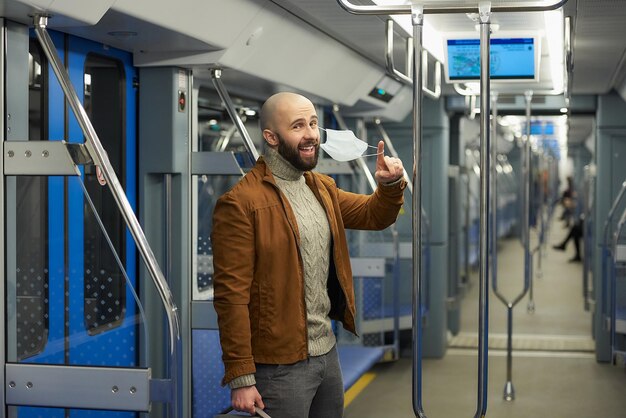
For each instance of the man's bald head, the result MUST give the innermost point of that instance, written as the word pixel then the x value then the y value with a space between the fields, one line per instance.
pixel 279 106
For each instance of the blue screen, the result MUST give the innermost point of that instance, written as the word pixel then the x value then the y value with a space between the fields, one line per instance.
pixel 511 58
pixel 539 128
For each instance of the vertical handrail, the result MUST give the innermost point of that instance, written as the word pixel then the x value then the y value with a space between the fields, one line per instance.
pixel 417 19
pixel 607 256
pixel 216 76
pixel 494 189
pixel 530 306
pixel 467 224
pixel 616 235
pixel 606 251
pixel 484 13
pixel 100 158
pixel 587 219
pixel 609 216
pixel 509 390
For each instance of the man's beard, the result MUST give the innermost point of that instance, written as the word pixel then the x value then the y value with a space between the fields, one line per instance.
pixel 292 155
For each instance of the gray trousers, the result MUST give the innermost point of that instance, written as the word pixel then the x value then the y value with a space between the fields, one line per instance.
pixel 311 388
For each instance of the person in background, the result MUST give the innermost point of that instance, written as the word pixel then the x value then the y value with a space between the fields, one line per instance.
pixel 575 234
pixel 568 201
pixel 282 268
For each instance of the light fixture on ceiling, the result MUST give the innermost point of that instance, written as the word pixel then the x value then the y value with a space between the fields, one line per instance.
pixel 555 36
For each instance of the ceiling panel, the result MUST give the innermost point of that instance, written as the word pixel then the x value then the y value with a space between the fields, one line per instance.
pixel 599 40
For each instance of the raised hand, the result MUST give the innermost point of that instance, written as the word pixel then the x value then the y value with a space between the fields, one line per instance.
pixel 388 169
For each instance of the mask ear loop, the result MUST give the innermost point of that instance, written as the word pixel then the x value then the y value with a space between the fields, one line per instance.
pixel 370 146
pixel 372 155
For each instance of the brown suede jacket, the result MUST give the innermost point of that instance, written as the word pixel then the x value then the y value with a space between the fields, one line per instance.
pixel 259 278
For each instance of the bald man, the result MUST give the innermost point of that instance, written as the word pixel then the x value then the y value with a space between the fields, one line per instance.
pixel 282 267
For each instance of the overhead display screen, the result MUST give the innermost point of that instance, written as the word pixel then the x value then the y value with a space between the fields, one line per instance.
pixel 511 59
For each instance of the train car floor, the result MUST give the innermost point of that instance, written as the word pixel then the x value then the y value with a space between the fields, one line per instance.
pixel 555 374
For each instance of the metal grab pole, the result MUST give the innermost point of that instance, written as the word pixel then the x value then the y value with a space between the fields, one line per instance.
pixel 606 252
pixel 530 307
pixel 587 246
pixel 483 301
pixel 609 216
pixel 616 235
pixel 100 158
pixel 541 212
pixel 216 76
pixel 494 188
pixel 417 19
pixel 467 226
pixel 509 390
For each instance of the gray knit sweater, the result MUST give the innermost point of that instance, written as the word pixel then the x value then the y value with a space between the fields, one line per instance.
pixel 314 233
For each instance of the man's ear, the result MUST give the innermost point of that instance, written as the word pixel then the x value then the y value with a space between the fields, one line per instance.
pixel 270 137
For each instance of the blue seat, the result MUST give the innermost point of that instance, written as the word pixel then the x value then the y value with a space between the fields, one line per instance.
pixel 209 397
pixel 355 360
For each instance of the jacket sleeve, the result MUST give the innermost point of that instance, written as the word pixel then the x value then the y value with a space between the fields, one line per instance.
pixel 374 212
pixel 233 263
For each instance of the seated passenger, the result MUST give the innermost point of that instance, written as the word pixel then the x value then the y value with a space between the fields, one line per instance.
pixel 282 268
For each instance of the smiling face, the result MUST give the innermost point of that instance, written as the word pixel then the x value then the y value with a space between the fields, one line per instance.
pixel 289 123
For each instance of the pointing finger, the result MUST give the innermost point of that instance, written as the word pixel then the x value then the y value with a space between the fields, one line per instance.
pixel 380 159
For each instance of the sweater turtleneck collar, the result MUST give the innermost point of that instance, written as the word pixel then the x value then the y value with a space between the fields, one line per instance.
pixel 280 167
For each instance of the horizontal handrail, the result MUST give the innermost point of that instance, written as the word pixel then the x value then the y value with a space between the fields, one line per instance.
pixel 436 93
pixel 391 68
pixel 407 78
pixel 536 6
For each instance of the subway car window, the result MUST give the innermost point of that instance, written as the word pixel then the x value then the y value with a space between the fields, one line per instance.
pixel 32 226
pixel 217 133
pixel 105 287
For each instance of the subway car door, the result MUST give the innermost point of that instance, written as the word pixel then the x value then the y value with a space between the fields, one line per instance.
pixel 74 301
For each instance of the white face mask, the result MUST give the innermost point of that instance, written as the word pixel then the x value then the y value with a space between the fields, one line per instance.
pixel 344 145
